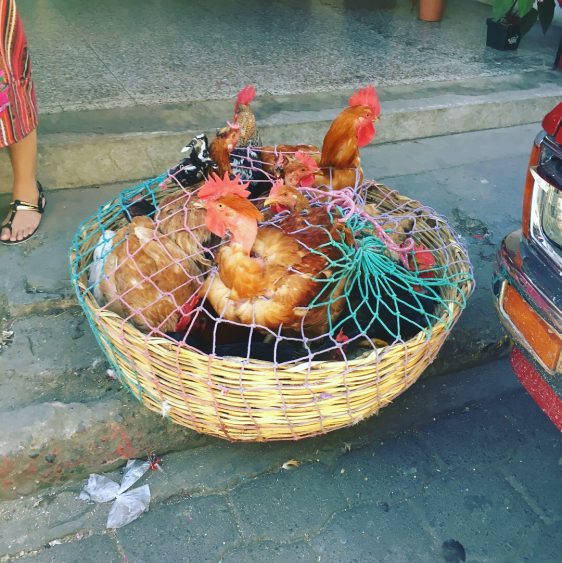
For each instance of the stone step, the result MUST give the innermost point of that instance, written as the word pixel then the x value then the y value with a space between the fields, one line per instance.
pixel 91 147
pixel 51 442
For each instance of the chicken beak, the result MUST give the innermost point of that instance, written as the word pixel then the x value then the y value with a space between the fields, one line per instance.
pixel 198 204
pixel 268 202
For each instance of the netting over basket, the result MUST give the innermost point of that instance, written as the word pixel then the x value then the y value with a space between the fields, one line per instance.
pixel 339 306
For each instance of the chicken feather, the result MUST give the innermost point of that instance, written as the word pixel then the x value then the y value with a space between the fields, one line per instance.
pixel 271 278
pixel 147 277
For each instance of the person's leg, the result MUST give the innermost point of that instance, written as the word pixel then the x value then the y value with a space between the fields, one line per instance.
pixel 23 156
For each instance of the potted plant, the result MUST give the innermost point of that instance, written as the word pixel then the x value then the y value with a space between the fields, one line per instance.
pixel 512 19
pixel 429 10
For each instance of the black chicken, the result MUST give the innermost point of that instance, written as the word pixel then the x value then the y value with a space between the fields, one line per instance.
pixel 196 165
pixel 245 162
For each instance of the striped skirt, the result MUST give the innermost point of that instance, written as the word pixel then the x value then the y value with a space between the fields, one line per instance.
pixel 18 109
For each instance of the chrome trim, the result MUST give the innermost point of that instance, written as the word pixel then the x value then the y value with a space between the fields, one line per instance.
pixel 536 230
pixel 527 269
pixel 540 137
pixel 550 143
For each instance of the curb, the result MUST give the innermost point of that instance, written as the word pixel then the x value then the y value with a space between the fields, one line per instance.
pixel 50 443
pixel 93 147
pixel 217 466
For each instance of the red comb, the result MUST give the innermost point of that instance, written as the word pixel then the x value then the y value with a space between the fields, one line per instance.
pixel 306 159
pixel 216 187
pixel 276 187
pixel 245 96
pixel 366 97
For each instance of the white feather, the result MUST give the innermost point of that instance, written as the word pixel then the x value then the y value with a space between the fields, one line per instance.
pixel 97 267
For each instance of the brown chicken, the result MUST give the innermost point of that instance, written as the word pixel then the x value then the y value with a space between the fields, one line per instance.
pixel 269 277
pixel 146 277
pixel 300 170
pixel 244 116
pixel 182 218
pixel 222 145
pixel 314 227
pixel 274 158
pixel 340 162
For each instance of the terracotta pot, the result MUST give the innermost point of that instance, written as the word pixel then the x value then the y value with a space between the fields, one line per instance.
pixel 431 10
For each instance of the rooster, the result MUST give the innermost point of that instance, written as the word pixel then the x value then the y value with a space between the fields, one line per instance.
pixel 146 277
pixel 267 276
pixel 353 128
pixel 244 116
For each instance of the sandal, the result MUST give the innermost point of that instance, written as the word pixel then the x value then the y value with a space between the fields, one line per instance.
pixel 18 205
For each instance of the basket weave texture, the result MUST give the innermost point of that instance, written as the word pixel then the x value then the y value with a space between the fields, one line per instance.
pixel 252 400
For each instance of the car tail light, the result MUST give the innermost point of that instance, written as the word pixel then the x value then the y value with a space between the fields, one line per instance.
pixel 551 216
pixel 538 335
pixel 529 185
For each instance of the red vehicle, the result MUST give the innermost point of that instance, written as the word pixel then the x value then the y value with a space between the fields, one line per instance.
pixel 528 279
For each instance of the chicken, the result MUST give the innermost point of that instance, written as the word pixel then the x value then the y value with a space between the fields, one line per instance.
pixel 195 166
pixel 299 171
pixel 422 261
pixel 315 227
pixel 182 218
pixel 244 116
pixel 273 158
pixel 222 145
pixel 282 198
pixel 353 128
pixel 268 277
pixel 146 277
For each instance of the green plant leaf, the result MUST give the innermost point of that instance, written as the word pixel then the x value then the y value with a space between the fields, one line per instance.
pixel 501 8
pixel 546 13
pixel 528 21
pixel 524 7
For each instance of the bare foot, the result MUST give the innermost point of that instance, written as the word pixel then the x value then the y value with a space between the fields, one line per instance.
pixel 24 222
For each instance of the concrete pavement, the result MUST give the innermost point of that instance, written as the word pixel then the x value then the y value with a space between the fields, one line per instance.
pixel 53 376
pixel 123 54
pixel 460 467
pixel 120 86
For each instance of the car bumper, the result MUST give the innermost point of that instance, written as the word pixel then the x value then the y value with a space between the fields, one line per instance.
pixel 528 291
pixel 524 277
pixel 539 388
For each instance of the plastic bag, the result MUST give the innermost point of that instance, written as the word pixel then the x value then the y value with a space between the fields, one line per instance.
pixel 128 505
pixel 134 470
pixel 99 489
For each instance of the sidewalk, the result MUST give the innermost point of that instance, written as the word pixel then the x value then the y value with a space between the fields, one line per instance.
pixel 119 54
pixel 55 395
pixel 469 458
pixel 121 87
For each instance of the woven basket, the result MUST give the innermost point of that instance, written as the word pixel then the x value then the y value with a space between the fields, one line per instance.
pixel 253 400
